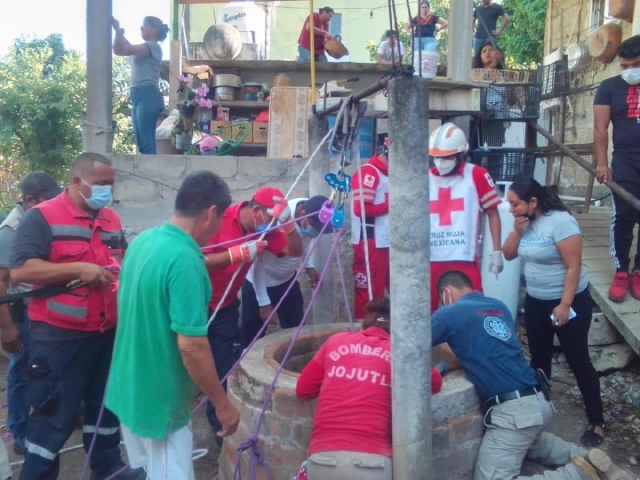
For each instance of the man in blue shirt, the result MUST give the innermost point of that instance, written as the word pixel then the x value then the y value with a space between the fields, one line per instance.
pixel 481 333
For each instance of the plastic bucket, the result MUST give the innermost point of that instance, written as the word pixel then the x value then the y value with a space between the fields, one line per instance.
pixel 429 61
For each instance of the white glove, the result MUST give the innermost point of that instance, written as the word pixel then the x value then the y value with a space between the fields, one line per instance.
pixel 282 213
pixel 497 263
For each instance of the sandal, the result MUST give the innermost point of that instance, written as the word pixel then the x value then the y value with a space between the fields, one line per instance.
pixel 592 439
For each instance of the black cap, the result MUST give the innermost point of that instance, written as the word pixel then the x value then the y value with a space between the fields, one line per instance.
pixel 39 184
pixel 313 205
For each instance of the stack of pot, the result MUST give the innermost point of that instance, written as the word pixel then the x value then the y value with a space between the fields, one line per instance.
pixel 225 86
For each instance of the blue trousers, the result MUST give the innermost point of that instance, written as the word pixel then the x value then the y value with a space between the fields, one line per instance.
pixel 62 374
pixel 290 312
pixel 223 338
pixel 17 382
pixel 148 104
pixel 304 55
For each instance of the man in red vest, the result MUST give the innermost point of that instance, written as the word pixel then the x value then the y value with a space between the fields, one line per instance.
pixel 371 188
pixel 458 193
pixel 72 237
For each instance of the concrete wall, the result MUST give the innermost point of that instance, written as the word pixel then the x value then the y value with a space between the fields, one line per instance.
pixel 146 187
pixel 287 18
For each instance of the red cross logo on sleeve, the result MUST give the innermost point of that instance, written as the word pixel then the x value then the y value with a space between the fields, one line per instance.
pixel 444 206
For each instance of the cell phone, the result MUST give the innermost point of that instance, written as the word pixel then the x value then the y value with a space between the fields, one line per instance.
pixel 572 315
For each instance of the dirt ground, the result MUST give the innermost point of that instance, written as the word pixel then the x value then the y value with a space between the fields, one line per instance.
pixel 620 390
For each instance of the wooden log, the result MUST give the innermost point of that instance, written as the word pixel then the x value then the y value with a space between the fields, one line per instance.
pixel 604 42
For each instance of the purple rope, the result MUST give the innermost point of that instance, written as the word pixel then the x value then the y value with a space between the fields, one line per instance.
pixel 256 458
pixel 344 292
pixel 252 442
pixel 266 322
pixel 83 473
pixel 257 234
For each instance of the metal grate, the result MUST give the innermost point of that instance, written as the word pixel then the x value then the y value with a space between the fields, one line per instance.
pixel 505 164
pixel 514 101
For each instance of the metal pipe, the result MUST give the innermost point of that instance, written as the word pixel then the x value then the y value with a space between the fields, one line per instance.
pixel 312 48
pixel 613 186
pixel 410 282
pixel 362 94
pixel 175 34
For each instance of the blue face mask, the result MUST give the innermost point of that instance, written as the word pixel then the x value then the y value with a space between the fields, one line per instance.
pixel 261 228
pixel 101 196
pixel 310 232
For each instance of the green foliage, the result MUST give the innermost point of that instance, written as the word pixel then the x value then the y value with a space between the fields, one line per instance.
pixel 522 41
pixel 123 138
pixel 42 98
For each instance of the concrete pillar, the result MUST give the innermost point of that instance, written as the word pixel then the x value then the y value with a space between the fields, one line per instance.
pixel 97 129
pixel 323 307
pixel 460 49
pixel 410 278
pixel 175 55
pixel 635 29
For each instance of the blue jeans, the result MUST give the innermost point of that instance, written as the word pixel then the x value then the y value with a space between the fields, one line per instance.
pixel 17 381
pixel 478 43
pixel 223 334
pixel 148 104
pixel 429 44
pixel 304 55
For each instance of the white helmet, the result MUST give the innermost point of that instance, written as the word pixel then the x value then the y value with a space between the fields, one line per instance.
pixel 447 140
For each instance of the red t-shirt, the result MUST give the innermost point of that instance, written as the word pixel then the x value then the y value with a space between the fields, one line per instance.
pixel 486 189
pixel 305 37
pixel 231 229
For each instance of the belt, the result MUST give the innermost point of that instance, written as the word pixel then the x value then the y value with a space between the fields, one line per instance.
pixel 505 397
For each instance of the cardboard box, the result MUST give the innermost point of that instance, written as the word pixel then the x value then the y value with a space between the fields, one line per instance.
pixel 238 130
pixel 260 132
pixel 226 134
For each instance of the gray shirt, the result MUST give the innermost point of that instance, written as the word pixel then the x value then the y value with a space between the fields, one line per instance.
pixel 7 234
pixel 145 71
pixel 544 269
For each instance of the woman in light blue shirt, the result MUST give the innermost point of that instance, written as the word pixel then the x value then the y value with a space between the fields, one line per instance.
pixel 145 60
pixel 548 239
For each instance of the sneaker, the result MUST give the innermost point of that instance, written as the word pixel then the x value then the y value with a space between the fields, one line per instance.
pixel 619 287
pixel 605 466
pixel 585 469
pixel 128 474
pixel 635 284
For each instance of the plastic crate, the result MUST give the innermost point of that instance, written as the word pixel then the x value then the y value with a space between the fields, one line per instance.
pixel 504 164
pixel 511 101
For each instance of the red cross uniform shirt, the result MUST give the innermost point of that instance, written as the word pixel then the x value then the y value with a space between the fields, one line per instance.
pixel 371 185
pixel 231 229
pixel 456 203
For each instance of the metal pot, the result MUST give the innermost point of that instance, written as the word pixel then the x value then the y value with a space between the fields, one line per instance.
pixel 226 80
pixel 225 92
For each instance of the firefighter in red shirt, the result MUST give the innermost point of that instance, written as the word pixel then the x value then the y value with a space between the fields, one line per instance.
pixel 351 377
pixel 72 237
pixel 373 191
pixel 458 193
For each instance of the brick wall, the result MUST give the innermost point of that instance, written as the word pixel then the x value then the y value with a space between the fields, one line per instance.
pixel 286 430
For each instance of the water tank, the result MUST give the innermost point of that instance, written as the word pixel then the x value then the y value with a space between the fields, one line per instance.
pixel 249 19
pixel 506 286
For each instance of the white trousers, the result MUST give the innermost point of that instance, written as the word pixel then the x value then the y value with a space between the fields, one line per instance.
pixel 5 468
pixel 167 459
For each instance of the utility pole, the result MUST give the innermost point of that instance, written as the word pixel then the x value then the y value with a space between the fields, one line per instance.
pixel 323 307
pixel 97 129
pixel 410 277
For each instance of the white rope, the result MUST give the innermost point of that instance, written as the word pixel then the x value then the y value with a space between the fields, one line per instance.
pixel 293 185
pixel 363 223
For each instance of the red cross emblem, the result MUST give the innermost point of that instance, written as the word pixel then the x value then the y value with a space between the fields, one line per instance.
pixel 444 206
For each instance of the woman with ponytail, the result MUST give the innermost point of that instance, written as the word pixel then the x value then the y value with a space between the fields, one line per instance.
pixel 145 60
pixel 558 302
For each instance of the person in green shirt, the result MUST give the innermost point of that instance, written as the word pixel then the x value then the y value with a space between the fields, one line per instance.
pixel 161 346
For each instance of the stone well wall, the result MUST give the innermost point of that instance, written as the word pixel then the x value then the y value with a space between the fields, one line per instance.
pixel 286 430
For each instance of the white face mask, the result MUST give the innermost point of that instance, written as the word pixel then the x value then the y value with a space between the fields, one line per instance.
pixel 631 76
pixel 444 166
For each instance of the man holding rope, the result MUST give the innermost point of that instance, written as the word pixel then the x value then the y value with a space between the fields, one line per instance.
pixel 72 238
pixel 370 190
pixel 162 334
pixel 229 263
